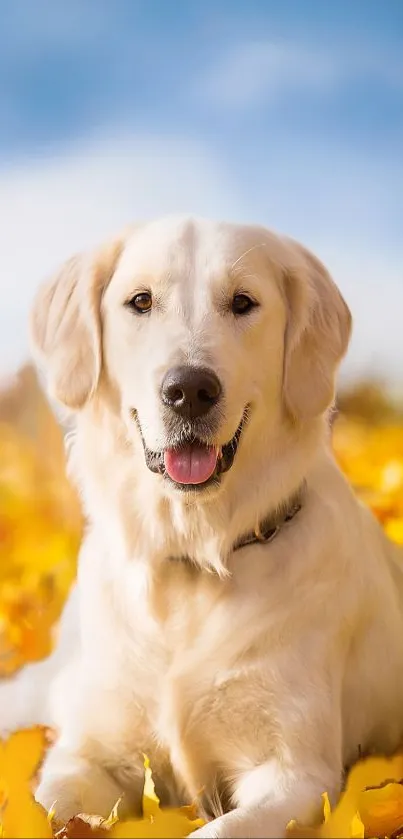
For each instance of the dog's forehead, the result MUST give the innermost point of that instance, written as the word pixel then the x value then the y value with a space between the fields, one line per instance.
pixel 181 247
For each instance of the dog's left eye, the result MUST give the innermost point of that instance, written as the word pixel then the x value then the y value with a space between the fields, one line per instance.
pixel 242 304
pixel 141 302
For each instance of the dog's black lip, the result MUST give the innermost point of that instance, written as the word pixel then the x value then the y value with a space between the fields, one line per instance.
pixel 155 459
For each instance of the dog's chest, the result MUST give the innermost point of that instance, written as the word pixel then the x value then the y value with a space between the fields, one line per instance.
pixel 192 664
pixel 177 617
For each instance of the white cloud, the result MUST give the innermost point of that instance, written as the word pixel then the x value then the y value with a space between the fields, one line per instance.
pixel 256 71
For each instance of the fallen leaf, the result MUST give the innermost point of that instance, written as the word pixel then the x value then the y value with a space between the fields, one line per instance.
pixel 21 816
pixel 156 822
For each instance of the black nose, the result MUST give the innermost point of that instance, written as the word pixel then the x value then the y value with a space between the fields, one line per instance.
pixel 190 391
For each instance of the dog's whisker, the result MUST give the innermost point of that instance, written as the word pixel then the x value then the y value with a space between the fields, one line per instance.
pixel 245 253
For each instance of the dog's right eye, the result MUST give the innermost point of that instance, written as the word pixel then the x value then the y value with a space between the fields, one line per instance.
pixel 140 303
pixel 242 304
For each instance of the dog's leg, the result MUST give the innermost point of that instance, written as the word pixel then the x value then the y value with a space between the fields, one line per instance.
pixel 87 770
pixel 98 757
pixel 91 779
pixel 269 797
pixel 71 784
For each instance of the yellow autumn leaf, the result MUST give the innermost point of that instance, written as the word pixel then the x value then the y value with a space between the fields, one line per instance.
pixel 357 827
pixel 151 802
pixel 168 825
pixel 156 822
pixel 21 816
pixel 394 529
pixel 327 810
pixel 358 809
pixel 381 809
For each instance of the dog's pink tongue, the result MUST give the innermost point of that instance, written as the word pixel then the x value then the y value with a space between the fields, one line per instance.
pixel 190 464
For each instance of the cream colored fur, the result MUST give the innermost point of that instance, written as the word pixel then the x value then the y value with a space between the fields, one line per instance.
pixel 254 676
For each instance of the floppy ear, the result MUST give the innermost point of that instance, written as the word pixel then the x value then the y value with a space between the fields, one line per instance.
pixel 317 336
pixel 65 325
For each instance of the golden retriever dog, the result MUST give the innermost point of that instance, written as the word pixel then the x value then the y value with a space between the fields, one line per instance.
pixel 238 612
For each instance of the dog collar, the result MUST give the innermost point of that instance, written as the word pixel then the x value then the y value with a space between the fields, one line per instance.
pixel 267 530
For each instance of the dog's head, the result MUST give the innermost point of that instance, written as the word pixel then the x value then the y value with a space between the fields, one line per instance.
pixel 206 333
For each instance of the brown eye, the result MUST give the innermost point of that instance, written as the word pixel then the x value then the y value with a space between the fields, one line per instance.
pixel 242 304
pixel 140 303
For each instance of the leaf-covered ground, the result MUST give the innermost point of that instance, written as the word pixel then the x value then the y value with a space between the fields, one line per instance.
pixel 40 529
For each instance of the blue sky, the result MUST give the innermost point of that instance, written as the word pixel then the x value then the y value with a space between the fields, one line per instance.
pixel 286 112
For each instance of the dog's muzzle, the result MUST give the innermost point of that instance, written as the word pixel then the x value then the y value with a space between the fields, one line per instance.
pixel 188 462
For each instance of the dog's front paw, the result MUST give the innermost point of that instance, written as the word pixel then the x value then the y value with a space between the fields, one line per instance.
pixel 219 828
pixel 76 787
pixel 61 795
pixel 208 831
pixel 237 824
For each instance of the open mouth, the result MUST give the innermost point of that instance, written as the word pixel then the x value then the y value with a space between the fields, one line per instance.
pixel 193 464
